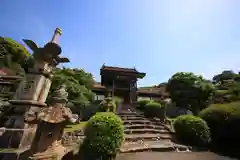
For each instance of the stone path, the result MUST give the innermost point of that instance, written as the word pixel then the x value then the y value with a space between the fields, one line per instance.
pixel 142 134
pixel 171 156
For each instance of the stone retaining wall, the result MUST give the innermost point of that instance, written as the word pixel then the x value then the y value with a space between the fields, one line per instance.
pixel 72 137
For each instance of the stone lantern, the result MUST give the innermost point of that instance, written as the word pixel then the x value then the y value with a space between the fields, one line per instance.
pixel 52 121
pixel 30 97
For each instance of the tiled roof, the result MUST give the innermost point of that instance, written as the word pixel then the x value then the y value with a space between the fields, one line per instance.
pixel 153 90
pixel 5 71
pixel 98 86
pixel 2 73
pixel 110 68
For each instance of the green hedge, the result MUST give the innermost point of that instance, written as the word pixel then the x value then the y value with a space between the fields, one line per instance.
pixel 117 100
pixel 224 123
pixel 154 109
pixel 142 103
pixel 104 135
pixel 192 130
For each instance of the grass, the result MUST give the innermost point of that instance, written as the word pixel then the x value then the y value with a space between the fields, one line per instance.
pixel 74 127
pixel 7 149
pixel 172 119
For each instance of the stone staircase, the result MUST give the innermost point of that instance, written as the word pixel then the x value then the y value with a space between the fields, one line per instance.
pixel 143 134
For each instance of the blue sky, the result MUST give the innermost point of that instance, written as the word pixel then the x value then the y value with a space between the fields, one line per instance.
pixel 159 37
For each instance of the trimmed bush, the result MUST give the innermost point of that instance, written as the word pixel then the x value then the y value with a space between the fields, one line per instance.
pixel 107 105
pixel 104 135
pixel 142 103
pixel 117 100
pixel 192 130
pixel 223 120
pixel 154 109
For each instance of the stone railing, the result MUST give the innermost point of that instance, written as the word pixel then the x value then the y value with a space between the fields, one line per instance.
pixel 3 130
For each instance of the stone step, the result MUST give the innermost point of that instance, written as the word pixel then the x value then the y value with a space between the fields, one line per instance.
pixel 142 121
pixel 137 137
pixel 132 118
pixel 141 126
pixel 145 131
pixel 137 122
pixel 141 146
pixel 127 112
pixel 160 146
pixel 130 114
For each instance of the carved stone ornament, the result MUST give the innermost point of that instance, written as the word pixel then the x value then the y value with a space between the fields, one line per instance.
pixel 59 95
pixel 30 116
pixel 57 112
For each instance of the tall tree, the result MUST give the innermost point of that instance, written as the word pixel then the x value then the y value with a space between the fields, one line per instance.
pixel 12 54
pixel 189 91
pixel 78 84
pixel 227 87
pixel 225 75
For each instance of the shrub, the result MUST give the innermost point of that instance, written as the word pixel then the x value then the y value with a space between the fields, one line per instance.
pixel 104 135
pixel 84 111
pixel 192 130
pixel 117 100
pixel 154 109
pixel 107 105
pixel 223 120
pixel 142 103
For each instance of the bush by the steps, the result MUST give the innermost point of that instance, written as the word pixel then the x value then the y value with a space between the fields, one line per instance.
pixel 154 109
pixel 104 135
pixel 224 123
pixel 107 105
pixel 142 103
pixel 192 130
pixel 117 100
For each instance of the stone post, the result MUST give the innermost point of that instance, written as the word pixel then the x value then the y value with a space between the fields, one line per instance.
pixel 31 94
pixel 56 35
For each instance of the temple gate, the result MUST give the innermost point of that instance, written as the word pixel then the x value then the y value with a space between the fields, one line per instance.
pixel 121 82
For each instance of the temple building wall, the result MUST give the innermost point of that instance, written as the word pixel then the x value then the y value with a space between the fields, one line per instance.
pixel 149 98
pixel 99 97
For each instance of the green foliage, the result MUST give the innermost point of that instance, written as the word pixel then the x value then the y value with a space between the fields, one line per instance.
pixel 225 75
pixel 154 109
pixel 108 105
pixel 4 110
pixel 223 120
pixel 88 111
pixel 104 136
pixel 234 91
pixel 227 86
pixel 78 84
pixel 3 104
pixel 192 130
pixel 227 92
pixel 12 54
pixel 142 103
pixel 117 100
pixel 190 91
